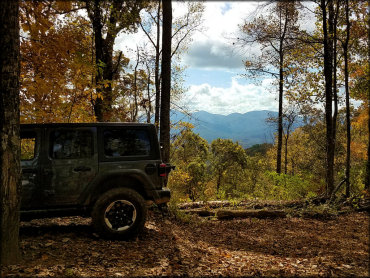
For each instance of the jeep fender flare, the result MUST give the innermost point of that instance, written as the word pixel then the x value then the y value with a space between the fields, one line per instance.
pixel 132 179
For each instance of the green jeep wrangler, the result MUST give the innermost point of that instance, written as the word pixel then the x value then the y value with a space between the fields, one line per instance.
pixel 109 171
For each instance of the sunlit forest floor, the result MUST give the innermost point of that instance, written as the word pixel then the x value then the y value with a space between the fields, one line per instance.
pixel 170 246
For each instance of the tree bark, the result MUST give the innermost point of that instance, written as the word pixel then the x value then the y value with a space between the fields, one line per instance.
pixel 135 109
pixel 201 212
pixel 328 74
pixel 367 176
pixel 281 86
pixel 335 64
pixel 280 118
pixel 120 15
pixel 348 114
pixel 166 80
pixel 286 154
pixel 157 80
pixel 9 132
pixel 103 58
pixel 262 214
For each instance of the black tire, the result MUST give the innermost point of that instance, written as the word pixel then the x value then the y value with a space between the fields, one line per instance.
pixel 119 213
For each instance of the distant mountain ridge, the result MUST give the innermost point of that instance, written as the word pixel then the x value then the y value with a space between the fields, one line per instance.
pixel 248 129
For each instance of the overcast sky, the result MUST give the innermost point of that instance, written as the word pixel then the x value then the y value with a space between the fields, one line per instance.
pixel 214 67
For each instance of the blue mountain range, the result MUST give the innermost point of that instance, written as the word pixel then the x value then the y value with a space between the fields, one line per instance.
pixel 248 129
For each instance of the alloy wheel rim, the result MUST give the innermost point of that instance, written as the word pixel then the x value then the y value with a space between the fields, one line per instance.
pixel 120 215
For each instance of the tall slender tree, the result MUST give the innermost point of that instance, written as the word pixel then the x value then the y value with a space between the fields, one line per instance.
pixel 9 132
pixel 184 27
pixel 166 80
pixel 156 17
pixel 271 33
pixel 346 84
pixel 327 9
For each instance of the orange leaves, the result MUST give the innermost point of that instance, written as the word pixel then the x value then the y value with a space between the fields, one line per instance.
pixel 358 150
pixel 360 135
pixel 56 66
pixel 361 120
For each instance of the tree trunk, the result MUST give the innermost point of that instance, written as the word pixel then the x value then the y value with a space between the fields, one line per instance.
pixel 104 62
pixel 9 132
pixel 281 88
pixel 166 80
pixel 286 154
pixel 367 176
pixel 280 120
pixel 262 214
pixel 328 74
pixel 157 80
pixel 149 110
pixel 335 64
pixel 348 115
pixel 135 90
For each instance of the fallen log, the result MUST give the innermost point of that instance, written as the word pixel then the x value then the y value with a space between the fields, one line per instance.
pixel 262 214
pixel 201 212
pixel 245 204
pixel 201 204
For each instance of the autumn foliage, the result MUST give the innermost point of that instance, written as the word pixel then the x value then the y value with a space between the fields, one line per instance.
pixel 59 83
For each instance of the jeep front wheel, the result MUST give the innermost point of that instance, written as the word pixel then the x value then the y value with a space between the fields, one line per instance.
pixel 119 213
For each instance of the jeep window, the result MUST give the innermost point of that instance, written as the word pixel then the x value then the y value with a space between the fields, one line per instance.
pixel 28 145
pixel 126 142
pixel 71 144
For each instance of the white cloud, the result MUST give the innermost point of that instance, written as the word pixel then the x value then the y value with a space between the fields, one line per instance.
pixel 213 54
pixel 221 19
pixel 237 98
pixel 213 48
pixel 308 20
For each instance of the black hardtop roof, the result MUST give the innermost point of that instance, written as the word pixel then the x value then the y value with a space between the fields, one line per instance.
pixel 117 124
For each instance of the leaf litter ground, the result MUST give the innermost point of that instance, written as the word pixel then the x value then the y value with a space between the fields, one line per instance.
pixel 202 247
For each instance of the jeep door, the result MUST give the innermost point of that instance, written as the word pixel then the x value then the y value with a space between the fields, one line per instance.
pixel 70 166
pixel 130 150
pixel 30 163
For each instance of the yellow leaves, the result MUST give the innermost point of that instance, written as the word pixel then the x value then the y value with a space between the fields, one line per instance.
pixel 55 75
pixel 358 150
pixel 97 95
pixel 361 120
pixel 183 125
pixel 178 178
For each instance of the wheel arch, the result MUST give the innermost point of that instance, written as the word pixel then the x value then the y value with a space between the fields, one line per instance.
pixel 117 181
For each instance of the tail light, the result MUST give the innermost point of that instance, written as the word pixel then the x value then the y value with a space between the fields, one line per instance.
pixel 165 168
pixel 162 170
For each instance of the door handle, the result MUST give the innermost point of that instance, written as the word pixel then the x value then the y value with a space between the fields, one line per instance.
pixel 82 169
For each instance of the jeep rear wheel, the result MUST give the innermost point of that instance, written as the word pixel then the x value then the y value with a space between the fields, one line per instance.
pixel 119 213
